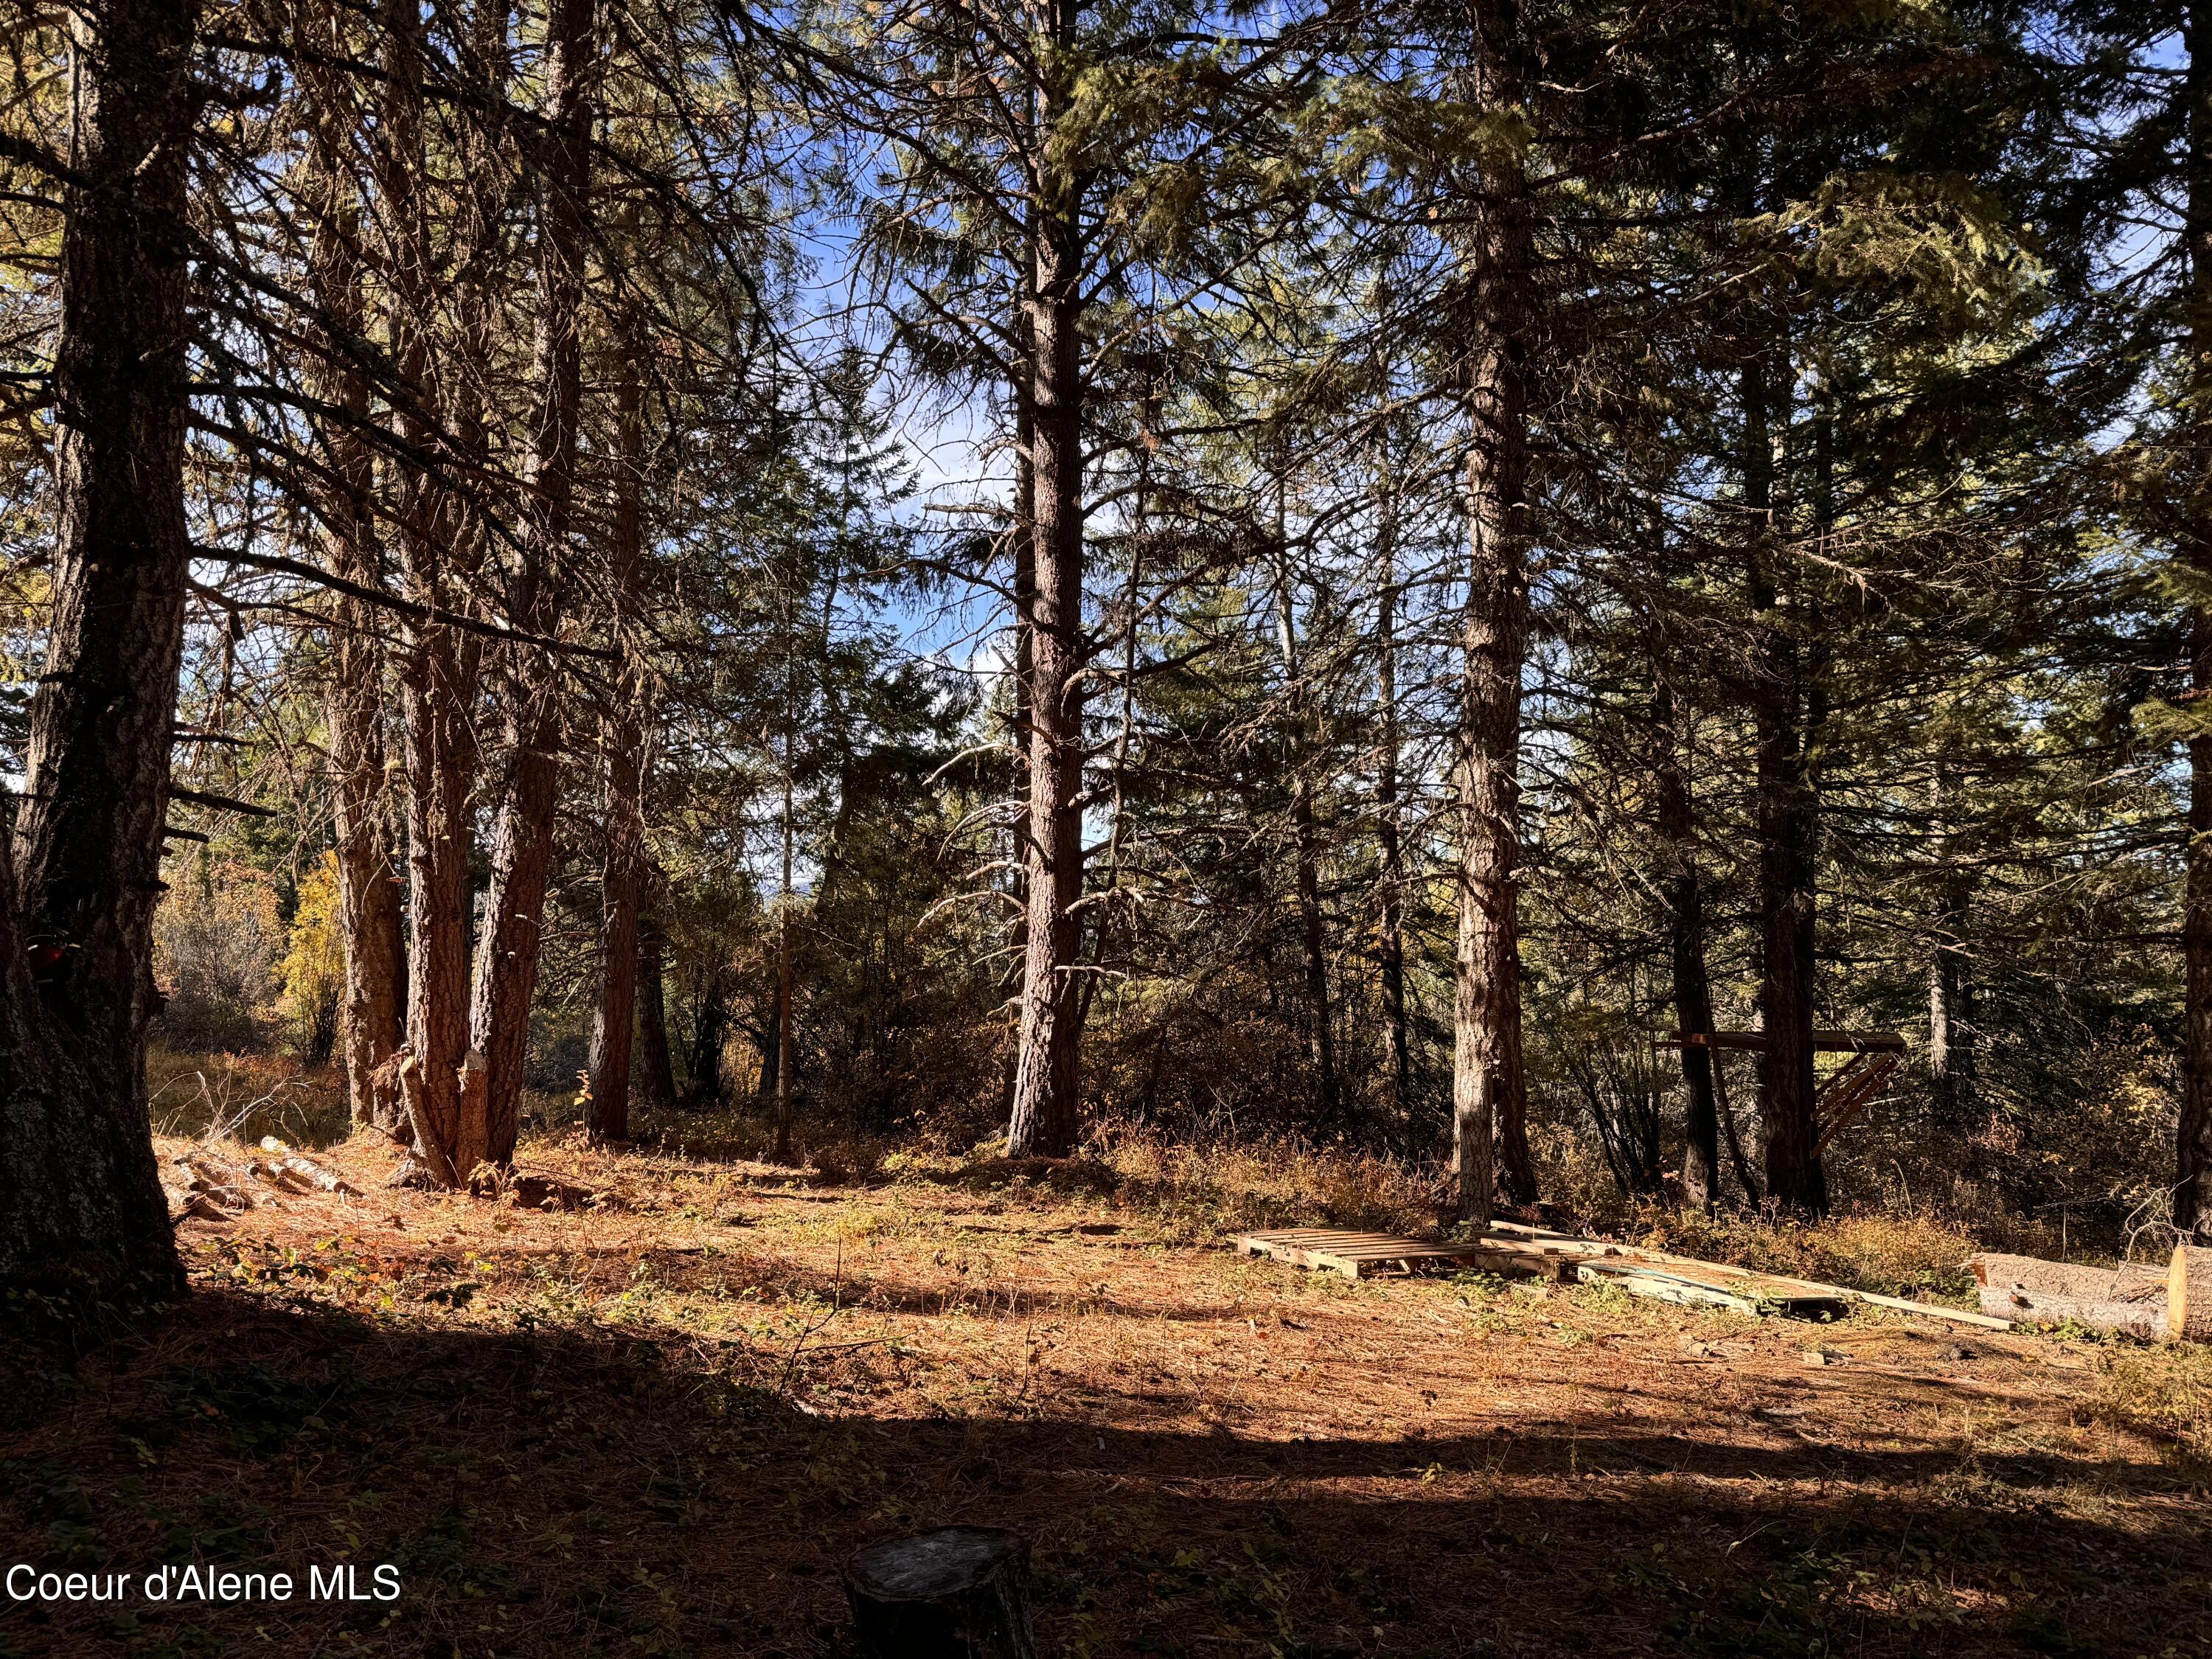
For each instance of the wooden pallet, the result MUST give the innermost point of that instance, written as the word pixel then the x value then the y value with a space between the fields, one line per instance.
pixel 1355 1254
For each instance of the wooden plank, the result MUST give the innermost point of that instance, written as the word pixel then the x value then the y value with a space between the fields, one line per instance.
pixel 1598 1247
pixel 1850 1092
pixel 1516 1247
pixel 1639 1280
pixel 1351 1253
pixel 1751 1295
pixel 1824 1043
pixel 1929 1309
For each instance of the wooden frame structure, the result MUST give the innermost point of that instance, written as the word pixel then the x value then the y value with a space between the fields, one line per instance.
pixel 1875 1057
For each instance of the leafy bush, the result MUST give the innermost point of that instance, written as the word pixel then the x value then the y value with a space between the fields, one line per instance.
pixel 313 972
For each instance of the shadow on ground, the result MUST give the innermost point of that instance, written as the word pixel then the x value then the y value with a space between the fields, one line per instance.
pixel 558 1492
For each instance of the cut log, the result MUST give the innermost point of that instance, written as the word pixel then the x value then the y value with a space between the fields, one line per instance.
pixel 276 1175
pixel 307 1169
pixel 2188 1294
pixel 2023 1306
pixel 957 1593
pixel 224 1185
pixel 2133 1281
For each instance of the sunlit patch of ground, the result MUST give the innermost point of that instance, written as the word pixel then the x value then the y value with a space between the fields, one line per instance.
pixel 657 1426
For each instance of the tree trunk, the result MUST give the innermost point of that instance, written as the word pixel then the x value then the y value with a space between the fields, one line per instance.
pixel 710 1029
pixel 656 1067
pixel 437 664
pixel 1321 1038
pixel 522 839
pixel 1684 896
pixel 1392 942
pixel 1788 823
pixel 1021 727
pixel 1046 1070
pixel 1950 984
pixel 370 1012
pixel 783 960
pixel 622 729
pixel 81 1209
pixel 1489 1096
pixel 1737 1162
pixel 2193 1191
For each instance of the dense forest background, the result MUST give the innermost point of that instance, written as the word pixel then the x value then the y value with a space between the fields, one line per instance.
pixel 920 573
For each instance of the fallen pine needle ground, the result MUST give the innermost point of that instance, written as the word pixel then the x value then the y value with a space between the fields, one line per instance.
pixel 655 1425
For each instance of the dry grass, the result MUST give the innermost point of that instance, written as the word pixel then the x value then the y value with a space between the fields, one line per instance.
pixel 246 1096
pixel 2167 1392
pixel 1914 1254
pixel 657 1427
pixel 1198 1194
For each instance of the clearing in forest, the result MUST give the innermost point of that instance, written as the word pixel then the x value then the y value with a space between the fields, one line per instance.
pixel 658 1426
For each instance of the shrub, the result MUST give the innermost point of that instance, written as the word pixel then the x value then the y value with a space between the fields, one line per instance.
pixel 313 972
pixel 215 942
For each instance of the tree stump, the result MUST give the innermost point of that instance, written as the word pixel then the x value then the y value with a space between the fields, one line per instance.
pixel 954 1594
pixel 2189 1294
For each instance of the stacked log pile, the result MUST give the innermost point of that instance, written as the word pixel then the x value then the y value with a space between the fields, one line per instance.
pixel 203 1186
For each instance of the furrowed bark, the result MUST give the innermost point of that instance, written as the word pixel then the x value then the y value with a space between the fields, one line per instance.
pixel 522 838
pixel 623 737
pixel 1950 982
pixel 656 1067
pixel 783 993
pixel 2193 1191
pixel 437 664
pixel 1788 823
pixel 1684 897
pixel 1392 942
pixel 81 1208
pixel 1321 1036
pixel 1048 1067
pixel 370 1014
pixel 1489 1097
pixel 783 1010
pixel 1024 536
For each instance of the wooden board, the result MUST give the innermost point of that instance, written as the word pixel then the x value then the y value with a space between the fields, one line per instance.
pixel 1725 1271
pixel 1750 1293
pixel 1515 1247
pixel 1355 1254
pixel 1657 1282
pixel 1824 1043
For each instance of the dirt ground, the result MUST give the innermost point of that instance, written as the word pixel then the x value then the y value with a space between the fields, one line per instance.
pixel 657 1428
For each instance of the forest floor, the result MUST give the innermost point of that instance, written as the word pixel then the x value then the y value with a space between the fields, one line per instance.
pixel 657 1425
